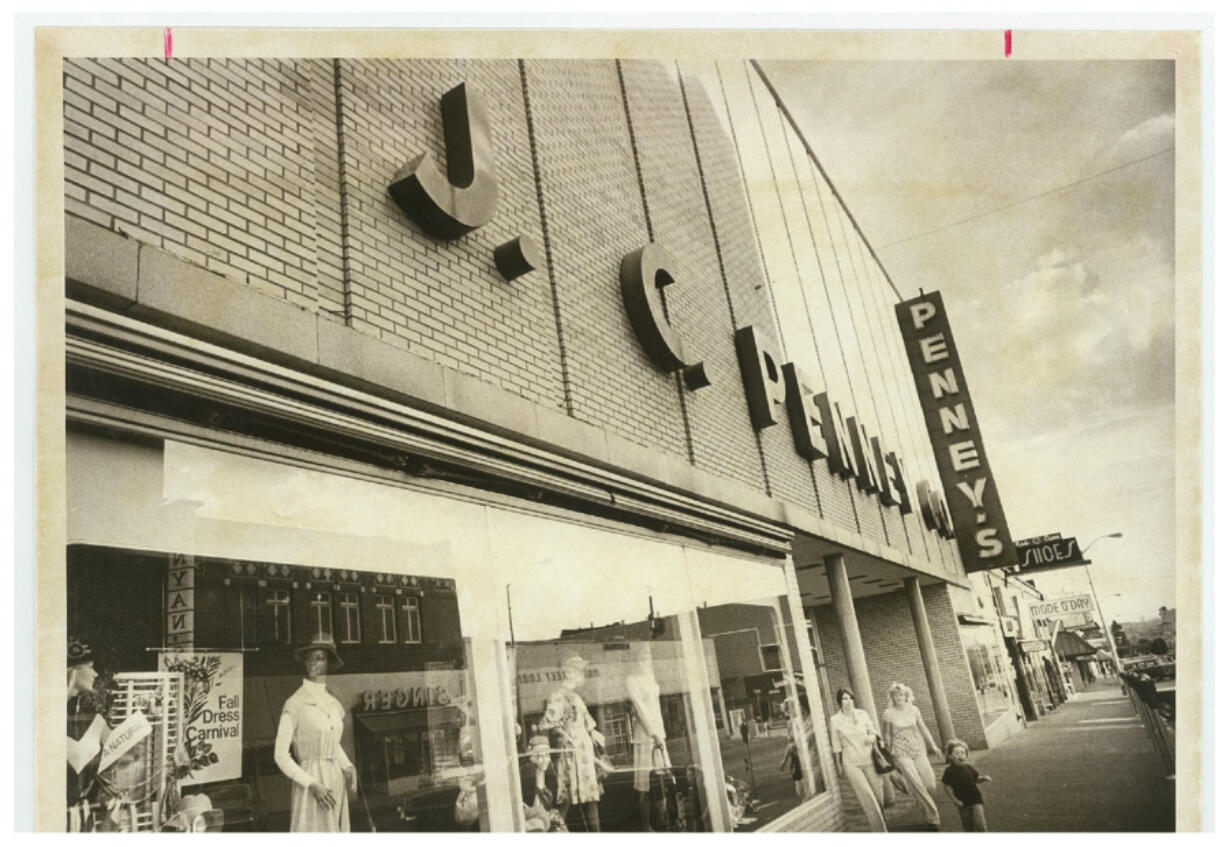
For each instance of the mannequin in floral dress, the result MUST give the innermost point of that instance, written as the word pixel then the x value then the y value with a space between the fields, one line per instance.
pixel 574 729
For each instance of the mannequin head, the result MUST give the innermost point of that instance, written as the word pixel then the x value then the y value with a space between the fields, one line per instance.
pixel 81 672
pixel 315 664
pixel 572 671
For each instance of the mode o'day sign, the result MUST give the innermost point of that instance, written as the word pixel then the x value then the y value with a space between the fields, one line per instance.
pixel 1058 607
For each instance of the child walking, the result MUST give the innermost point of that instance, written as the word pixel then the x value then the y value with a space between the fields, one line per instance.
pixel 791 758
pixel 961 782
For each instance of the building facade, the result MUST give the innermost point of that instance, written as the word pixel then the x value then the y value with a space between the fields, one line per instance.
pixel 523 381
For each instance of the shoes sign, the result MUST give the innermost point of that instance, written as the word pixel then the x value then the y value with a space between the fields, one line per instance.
pixel 1047 552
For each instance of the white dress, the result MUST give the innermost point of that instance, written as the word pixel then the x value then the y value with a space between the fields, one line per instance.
pixel 644 694
pixel 312 721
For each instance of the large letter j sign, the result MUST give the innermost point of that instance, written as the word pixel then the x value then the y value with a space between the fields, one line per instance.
pixel 467 197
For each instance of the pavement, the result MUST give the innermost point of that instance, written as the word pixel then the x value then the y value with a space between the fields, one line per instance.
pixel 1088 766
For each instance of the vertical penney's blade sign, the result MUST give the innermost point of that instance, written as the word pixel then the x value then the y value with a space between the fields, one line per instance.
pixel 978 519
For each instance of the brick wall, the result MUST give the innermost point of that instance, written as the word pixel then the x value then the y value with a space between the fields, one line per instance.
pixel 273 173
pixel 892 653
pixel 213 161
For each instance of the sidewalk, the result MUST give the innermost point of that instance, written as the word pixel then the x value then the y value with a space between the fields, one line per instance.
pixel 1086 767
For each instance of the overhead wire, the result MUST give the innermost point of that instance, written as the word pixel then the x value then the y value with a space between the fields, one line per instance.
pixel 1028 199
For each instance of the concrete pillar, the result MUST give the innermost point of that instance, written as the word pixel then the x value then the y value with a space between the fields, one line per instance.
pixel 853 648
pixel 928 655
pixel 849 633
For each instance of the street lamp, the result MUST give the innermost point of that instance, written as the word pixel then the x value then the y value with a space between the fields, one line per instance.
pixel 1119 667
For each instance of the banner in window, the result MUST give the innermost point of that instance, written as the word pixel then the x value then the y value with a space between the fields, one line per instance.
pixel 212 714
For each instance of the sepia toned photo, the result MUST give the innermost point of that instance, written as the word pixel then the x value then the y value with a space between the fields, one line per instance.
pixel 576 431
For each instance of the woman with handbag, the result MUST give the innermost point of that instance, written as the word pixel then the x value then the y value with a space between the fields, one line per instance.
pixel 908 739
pixel 853 739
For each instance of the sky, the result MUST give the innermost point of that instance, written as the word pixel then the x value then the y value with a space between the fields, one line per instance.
pixel 1063 305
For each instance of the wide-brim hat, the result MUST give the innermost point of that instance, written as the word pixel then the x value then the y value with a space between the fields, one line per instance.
pixel 325 643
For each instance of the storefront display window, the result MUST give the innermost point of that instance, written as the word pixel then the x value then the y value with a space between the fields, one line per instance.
pixel 628 656
pixel 215 572
pixel 563 676
pixel 990 672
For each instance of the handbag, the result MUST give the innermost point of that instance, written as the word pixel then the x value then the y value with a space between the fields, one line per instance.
pixel 883 760
pixel 666 808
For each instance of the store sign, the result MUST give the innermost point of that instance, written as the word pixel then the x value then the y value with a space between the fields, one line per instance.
pixel 976 514
pixel 1036 645
pixel 466 198
pixel 1048 552
pixel 1058 608
pixel 775 389
pixel 644 273
pixel 180 600
pixel 409 697
pixel 212 713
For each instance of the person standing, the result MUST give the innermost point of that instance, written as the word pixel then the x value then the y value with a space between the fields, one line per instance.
pixel 908 738
pixel 961 782
pixel 852 736
pixel 312 721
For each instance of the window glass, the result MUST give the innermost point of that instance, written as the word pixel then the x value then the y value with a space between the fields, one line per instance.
pixel 994 691
pixel 214 569
pixel 412 619
pixel 606 667
pixel 321 615
pixel 350 619
pixel 769 752
pixel 628 656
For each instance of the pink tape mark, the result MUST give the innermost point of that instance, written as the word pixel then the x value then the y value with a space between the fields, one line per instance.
pixel 168 43
pixel 1008 43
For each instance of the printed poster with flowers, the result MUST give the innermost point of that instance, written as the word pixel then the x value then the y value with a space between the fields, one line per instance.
pixel 212 741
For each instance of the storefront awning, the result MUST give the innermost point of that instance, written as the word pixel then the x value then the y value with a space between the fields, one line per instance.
pixel 1070 645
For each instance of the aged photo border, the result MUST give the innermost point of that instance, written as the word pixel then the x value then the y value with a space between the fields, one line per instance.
pixel 52 45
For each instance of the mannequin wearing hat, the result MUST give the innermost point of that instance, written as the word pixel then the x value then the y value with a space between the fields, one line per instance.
pixel 311 723
pixel 566 715
pixel 87 732
pixel 539 782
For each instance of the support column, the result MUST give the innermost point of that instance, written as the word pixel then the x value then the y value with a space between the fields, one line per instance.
pixel 849 633
pixel 853 649
pixel 928 655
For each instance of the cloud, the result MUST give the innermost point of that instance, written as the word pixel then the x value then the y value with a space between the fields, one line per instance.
pixel 1075 333
pixel 1143 139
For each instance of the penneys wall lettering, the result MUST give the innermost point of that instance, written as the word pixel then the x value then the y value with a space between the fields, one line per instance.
pixel 465 198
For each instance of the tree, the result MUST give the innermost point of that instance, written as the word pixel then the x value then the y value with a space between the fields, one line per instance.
pixel 1159 647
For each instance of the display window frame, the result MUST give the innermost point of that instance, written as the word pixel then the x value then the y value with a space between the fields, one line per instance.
pixel 294 457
